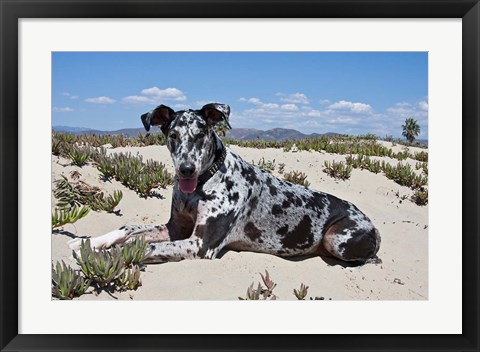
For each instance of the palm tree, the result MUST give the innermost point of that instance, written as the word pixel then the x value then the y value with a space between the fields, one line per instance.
pixel 411 129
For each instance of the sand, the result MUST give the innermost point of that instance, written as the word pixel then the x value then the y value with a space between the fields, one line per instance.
pixel 403 225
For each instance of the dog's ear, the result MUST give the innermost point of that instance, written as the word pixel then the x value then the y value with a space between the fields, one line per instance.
pixel 214 113
pixel 160 116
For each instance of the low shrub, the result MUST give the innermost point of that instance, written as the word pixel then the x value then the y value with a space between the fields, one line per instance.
pixel 423 166
pixel 421 156
pixel 106 203
pixel 70 194
pixel 129 279
pixel 62 217
pixel 267 166
pixel 95 140
pixel 363 162
pixel 101 267
pixel 67 283
pixel 404 175
pixel 420 197
pixel 133 173
pixel 79 155
pixel 297 177
pixel 135 252
pixel 301 293
pixel 338 170
pixel 116 269
pixel 261 293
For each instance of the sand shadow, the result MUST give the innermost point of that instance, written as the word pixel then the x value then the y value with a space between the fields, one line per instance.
pixel 329 260
pixel 68 234
pixel 155 194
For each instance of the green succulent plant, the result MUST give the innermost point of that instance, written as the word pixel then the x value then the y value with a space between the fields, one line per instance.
pixel 261 293
pixel 102 267
pixel 301 293
pixel 108 203
pixel 67 283
pixel 134 252
pixel 265 165
pixel 421 156
pixel 129 279
pixel 364 162
pixel 79 155
pixel 338 170
pixel 133 173
pixel 252 294
pixel 61 217
pixel 70 194
pixel 297 177
pixel 420 197
pixel 58 146
pixel 404 175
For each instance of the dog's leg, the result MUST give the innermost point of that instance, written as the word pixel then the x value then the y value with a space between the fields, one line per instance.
pixel 352 243
pixel 125 234
pixel 191 248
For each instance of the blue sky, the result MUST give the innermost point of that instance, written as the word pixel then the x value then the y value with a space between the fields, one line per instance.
pixel 353 93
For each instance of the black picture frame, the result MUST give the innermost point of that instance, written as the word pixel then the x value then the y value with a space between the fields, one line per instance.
pixel 12 10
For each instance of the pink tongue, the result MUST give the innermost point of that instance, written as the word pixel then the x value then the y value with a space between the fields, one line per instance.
pixel 188 185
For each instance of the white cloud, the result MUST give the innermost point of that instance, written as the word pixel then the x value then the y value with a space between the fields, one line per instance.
pixel 64 109
pixel 350 106
pixel 66 94
pixel 325 102
pixel 403 109
pixel 167 94
pixel 136 99
pixel 255 101
pixel 289 107
pixel 269 106
pixel 298 98
pixel 100 100
pixel 314 113
pixel 423 105
pixel 155 95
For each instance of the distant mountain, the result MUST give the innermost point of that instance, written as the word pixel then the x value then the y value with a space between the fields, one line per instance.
pixel 278 134
pixel 69 129
pixel 129 132
pixel 241 133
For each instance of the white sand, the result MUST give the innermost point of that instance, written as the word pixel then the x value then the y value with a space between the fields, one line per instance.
pixel 403 225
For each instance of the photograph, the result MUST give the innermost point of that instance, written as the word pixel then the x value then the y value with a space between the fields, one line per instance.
pixel 239 175
pixel 196 155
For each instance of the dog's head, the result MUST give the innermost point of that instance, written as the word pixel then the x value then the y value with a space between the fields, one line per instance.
pixel 189 137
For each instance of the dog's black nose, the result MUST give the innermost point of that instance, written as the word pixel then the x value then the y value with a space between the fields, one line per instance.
pixel 187 170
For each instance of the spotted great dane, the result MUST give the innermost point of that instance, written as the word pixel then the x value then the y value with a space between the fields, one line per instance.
pixel 220 201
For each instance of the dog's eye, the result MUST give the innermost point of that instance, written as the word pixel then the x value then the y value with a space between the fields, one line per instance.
pixel 172 136
pixel 201 135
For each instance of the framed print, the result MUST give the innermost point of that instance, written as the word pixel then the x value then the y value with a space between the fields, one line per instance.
pixel 266 64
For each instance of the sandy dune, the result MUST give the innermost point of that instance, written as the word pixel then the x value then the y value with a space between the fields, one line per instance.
pixel 403 275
